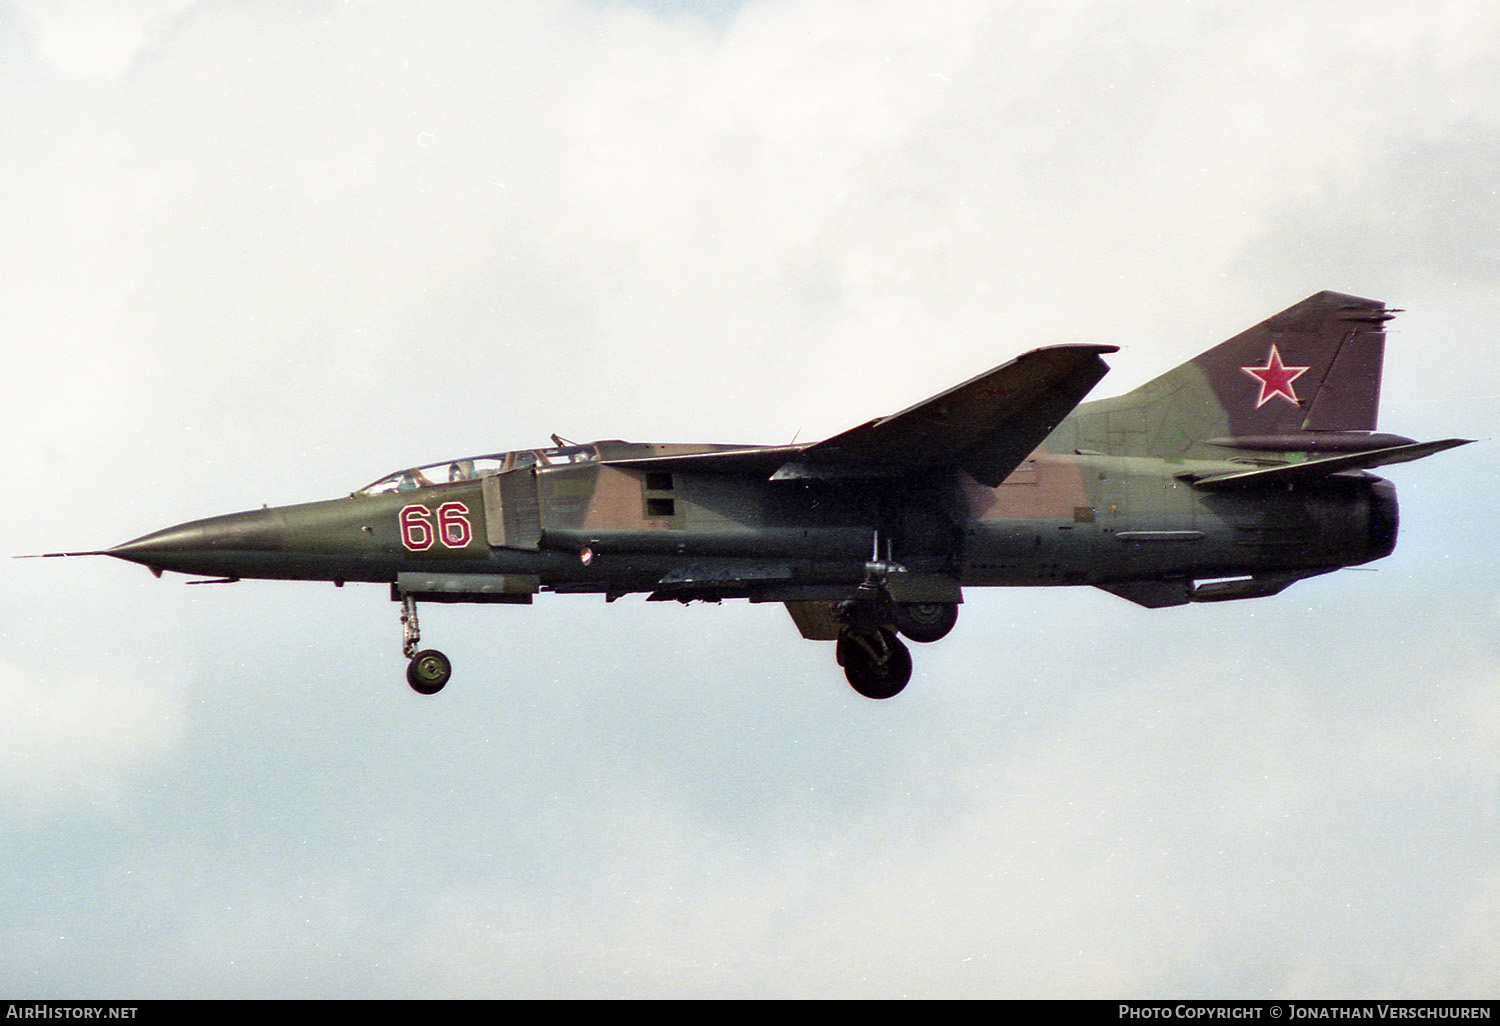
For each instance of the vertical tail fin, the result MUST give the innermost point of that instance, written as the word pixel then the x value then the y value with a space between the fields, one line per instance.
pixel 1306 379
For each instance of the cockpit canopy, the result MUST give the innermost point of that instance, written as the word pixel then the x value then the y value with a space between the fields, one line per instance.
pixel 469 468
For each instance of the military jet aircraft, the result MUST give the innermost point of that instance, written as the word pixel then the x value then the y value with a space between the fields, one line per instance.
pixel 1233 476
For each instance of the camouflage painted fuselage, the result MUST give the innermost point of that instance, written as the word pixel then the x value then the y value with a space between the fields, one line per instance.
pixel 1231 476
pixel 593 526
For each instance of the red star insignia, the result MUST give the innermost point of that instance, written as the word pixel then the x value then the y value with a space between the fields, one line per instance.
pixel 1276 379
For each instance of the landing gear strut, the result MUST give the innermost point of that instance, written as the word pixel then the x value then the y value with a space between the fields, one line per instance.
pixel 428 669
pixel 875 661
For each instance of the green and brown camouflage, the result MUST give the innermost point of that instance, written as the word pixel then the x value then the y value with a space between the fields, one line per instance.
pixel 1231 476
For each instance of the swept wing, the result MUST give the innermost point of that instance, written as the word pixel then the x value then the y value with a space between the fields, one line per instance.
pixel 985 426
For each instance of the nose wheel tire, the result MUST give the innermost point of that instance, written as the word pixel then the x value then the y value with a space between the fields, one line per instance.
pixel 428 671
pixel 876 663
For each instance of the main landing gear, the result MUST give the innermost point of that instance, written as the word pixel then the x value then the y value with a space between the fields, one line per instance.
pixel 924 622
pixel 428 669
pixel 876 662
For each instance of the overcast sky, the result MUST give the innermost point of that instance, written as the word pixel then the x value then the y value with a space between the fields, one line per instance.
pixel 268 252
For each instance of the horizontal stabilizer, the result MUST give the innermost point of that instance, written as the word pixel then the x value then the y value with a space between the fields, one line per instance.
pixel 1292 473
pixel 986 426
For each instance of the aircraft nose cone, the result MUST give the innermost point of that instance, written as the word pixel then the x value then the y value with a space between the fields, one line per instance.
pixel 167 542
pixel 217 545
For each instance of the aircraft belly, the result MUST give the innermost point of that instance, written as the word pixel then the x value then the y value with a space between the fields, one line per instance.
pixel 834 542
pixel 1008 552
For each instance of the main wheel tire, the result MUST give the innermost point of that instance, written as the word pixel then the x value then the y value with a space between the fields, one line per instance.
pixel 428 671
pixel 925 621
pixel 869 676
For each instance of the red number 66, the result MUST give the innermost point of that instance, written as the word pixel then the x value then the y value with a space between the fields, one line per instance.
pixel 418 532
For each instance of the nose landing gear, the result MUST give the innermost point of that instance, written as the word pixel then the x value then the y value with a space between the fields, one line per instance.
pixel 428 669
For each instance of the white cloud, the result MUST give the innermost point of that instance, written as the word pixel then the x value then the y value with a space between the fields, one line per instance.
pixel 96 37
pixel 1194 836
pixel 69 738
